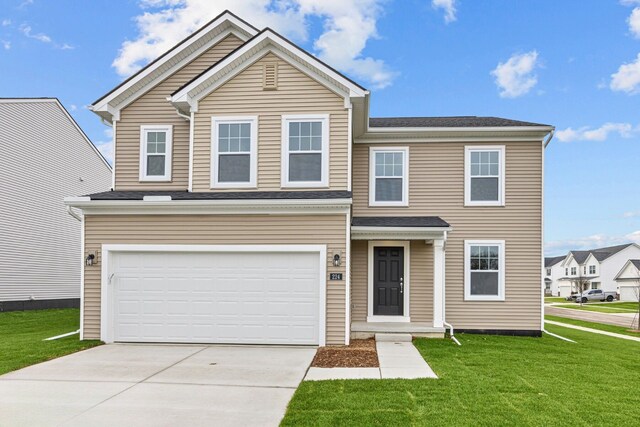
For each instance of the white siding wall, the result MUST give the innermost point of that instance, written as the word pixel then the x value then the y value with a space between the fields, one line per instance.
pixel 611 266
pixel 43 157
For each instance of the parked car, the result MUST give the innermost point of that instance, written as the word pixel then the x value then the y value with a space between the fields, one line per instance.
pixel 596 294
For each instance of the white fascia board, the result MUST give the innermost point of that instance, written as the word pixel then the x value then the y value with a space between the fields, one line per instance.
pixel 267 38
pixel 195 207
pixel 546 129
pixel 452 135
pixel 402 233
pixel 235 26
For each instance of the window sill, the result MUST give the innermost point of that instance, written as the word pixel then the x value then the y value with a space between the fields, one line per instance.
pixel 234 185
pixel 485 204
pixel 299 185
pixel 484 298
pixel 388 205
pixel 162 179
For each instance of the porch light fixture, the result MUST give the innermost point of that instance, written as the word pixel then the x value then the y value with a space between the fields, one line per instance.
pixel 336 259
pixel 89 260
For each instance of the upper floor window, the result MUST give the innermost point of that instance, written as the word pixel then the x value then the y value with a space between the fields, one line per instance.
pixel 484 176
pixel 573 271
pixel 234 158
pixel 305 151
pixel 155 152
pixel 389 176
pixel 592 269
pixel 484 270
pixel 548 272
pixel 584 270
pixel 566 271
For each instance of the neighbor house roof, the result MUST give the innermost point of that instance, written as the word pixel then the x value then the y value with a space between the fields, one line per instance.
pixel 445 122
pixel 603 253
pixel 636 263
pixel 580 256
pixel 399 221
pixel 232 195
pixel 551 261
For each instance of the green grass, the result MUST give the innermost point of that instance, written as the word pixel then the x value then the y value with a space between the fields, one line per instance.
pixel 489 381
pixel 22 332
pixel 599 326
pixel 554 299
pixel 604 307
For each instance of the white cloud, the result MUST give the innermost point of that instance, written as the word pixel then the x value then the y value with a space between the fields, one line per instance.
pixel 631 214
pixel 105 146
pixel 449 8
pixel 627 78
pixel 27 31
pixel 6 44
pixel 515 77
pixel 6 22
pixel 634 22
pixel 347 26
pixel 586 133
pixel 73 107
pixel 561 247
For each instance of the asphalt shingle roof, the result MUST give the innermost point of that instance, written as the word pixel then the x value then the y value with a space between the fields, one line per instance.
pixel 551 261
pixel 603 253
pixel 237 195
pixel 398 221
pixel 446 122
pixel 635 262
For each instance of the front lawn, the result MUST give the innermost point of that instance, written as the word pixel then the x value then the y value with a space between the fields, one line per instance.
pixel 600 326
pixel 22 332
pixel 604 307
pixel 490 381
pixel 548 300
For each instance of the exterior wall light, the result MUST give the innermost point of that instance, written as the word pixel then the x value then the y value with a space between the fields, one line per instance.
pixel 337 261
pixel 89 260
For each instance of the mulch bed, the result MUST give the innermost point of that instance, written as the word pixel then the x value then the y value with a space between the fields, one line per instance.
pixel 358 354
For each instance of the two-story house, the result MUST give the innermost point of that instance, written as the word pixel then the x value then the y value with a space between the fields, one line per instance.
pixel 255 201
pixel 553 271
pixel 591 269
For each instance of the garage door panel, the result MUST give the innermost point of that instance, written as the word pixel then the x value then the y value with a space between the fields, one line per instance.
pixel 270 298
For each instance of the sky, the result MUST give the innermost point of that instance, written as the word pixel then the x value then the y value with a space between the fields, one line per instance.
pixel 574 64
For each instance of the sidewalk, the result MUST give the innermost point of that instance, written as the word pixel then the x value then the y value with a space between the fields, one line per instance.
pixel 590 316
pixel 595 331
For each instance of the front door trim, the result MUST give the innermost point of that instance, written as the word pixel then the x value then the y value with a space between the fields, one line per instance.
pixel 407 282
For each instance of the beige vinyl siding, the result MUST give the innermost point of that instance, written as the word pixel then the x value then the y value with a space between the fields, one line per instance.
pixel 217 230
pixel 44 158
pixel 436 187
pixel 420 281
pixel 243 95
pixel 153 108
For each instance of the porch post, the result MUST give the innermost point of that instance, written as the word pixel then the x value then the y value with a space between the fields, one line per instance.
pixel 438 283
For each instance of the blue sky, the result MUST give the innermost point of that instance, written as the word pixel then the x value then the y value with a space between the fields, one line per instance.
pixel 572 63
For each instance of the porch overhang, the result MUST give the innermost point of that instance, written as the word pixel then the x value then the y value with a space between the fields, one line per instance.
pixel 426 228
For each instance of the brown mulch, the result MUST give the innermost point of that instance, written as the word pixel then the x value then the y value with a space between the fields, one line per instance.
pixel 358 354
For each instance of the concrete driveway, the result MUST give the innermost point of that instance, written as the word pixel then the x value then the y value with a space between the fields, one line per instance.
pixel 156 385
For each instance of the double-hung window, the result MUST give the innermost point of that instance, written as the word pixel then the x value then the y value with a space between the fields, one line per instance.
pixel 234 157
pixel 574 271
pixel 155 152
pixel 548 272
pixel 592 269
pixel 484 270
pixel 484 176
pixel 305 151
pixel 389 176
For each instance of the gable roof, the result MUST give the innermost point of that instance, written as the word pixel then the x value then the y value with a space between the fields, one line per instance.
pixel 635 263
pixel 27 103
pixel 265 41
pixel 580 256
pixel 603 253
pixel 110 104
pixel 447 122
pixel 551 261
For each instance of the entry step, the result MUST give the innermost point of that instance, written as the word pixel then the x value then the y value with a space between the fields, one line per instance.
pixel 393 337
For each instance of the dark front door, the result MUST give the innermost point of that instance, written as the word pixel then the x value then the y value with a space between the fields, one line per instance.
pixel 388 286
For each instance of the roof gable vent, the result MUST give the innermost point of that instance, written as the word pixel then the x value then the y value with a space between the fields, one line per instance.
pixel 270 76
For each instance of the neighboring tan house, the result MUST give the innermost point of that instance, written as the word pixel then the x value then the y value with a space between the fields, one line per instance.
pixel 595 269
pixel 44 156
pixel 628 280
pixel 256 201
pixel 553 271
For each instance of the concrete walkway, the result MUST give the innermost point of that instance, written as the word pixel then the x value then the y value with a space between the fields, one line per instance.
pixel 156 385
pixel 398 360
pixel 595 331
pixel 618 319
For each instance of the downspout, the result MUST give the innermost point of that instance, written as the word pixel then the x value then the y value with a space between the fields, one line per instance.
pixel 73 214
pixel 184 116
pixel 444 299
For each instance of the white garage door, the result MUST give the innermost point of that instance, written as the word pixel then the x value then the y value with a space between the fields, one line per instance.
pixel 243 297
pixel 629 293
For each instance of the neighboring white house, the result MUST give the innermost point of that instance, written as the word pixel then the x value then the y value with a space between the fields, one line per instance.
pixel 553 272
pixel 598 267
pixel 628 280
pixel 44 156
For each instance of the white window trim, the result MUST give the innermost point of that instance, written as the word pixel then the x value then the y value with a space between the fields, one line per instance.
pixel 501 271
pixel 372 176
pixel 253 151
pixel 284 174
pixel 467 175
pixel 144 129
pixel 406 316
